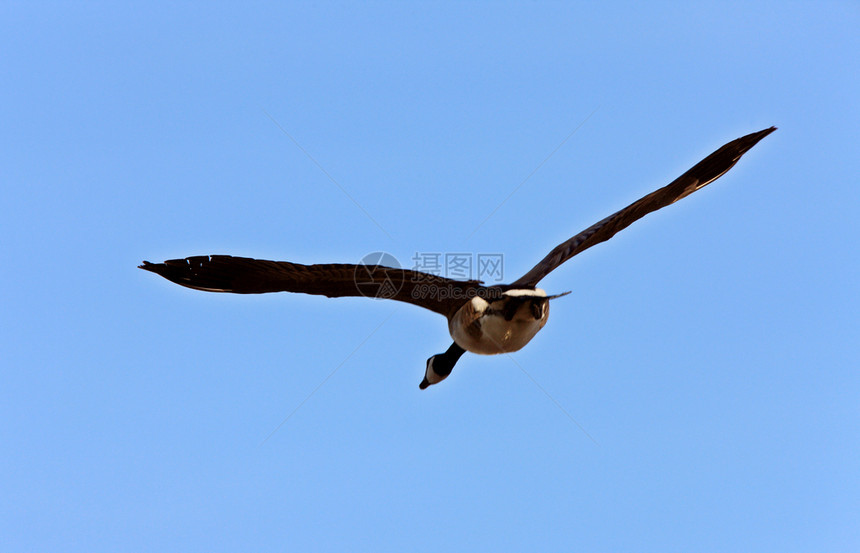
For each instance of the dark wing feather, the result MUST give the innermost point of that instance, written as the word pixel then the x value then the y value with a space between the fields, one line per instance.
pixel 703 173
pixel 242 275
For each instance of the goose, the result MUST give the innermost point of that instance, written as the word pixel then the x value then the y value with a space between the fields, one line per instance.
pixel 482 319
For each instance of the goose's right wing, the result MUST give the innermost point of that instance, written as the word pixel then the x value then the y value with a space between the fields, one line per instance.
pixel 705 172
pixel 242 275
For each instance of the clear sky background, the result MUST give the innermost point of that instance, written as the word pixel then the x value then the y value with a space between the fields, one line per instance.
pixel 710 350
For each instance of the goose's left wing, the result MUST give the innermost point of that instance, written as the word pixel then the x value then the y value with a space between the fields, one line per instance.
pixel 243 275
pixel 703 173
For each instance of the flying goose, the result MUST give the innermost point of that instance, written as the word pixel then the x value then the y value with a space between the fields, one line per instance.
pixel 482 319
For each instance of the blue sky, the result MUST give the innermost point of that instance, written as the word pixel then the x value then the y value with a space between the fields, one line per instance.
pixel 711 350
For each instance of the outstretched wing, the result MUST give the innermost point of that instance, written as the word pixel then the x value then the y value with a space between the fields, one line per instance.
pixel 703 173
pixel 242 275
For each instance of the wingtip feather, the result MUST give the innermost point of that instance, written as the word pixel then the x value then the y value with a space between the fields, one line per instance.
pixel 752 139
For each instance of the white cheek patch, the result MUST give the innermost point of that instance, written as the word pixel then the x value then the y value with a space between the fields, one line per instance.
pixel 431 375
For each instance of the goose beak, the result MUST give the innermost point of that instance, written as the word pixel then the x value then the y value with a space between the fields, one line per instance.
pixel 424 384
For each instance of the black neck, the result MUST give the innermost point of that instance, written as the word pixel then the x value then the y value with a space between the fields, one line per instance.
pixel 454 352
pixel 444 363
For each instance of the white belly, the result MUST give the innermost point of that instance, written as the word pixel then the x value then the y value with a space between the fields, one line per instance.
pixel 481 328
